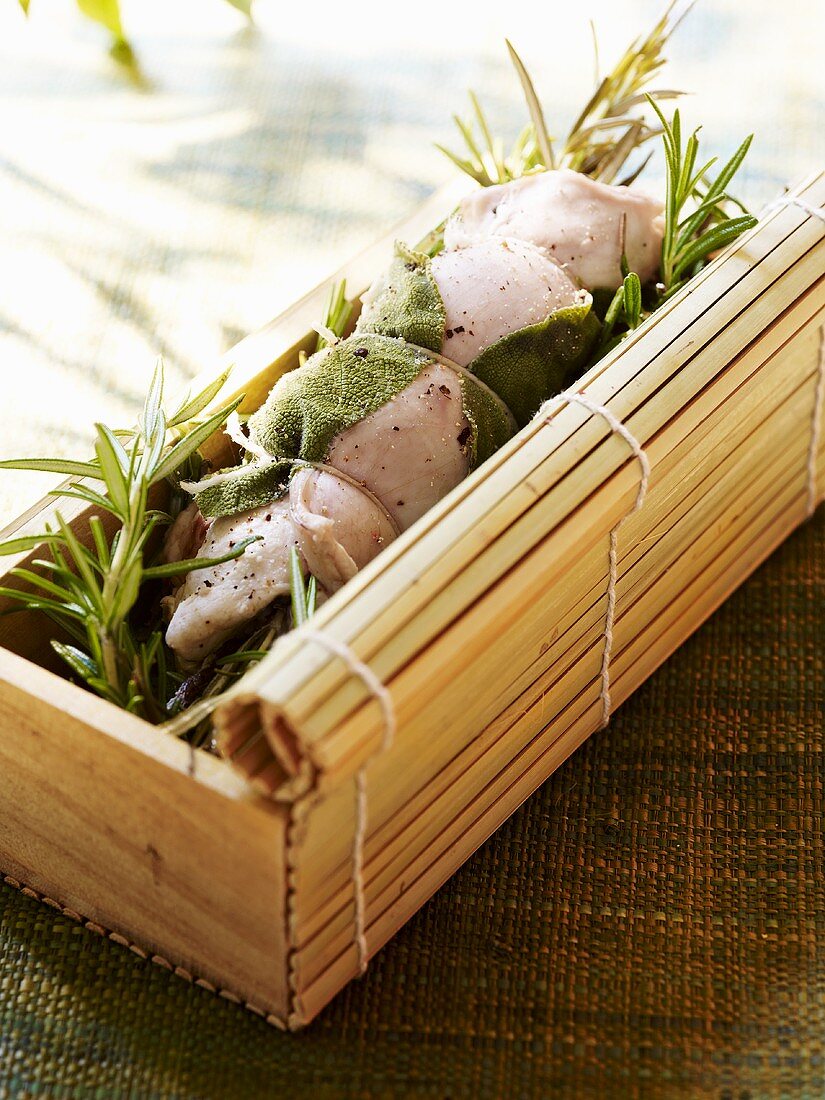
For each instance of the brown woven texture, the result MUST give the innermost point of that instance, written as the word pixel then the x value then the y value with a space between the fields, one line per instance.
pixel 650 924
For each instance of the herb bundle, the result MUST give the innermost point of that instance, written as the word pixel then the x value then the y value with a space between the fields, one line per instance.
pixel 610 127
pixel 93 593
pixel 692 235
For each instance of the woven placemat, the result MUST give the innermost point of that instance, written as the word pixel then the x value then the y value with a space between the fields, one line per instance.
pixel 650 924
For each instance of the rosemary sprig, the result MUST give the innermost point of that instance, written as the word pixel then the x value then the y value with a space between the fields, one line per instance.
pixel 486 161
pixel 697 224
pixel 302 596
pixel 608 130
pixel 336 318
pixel 696 221
pixel 610 127
pixel 623 314
pixel 92 591
pixel 337 312
pixel 544 142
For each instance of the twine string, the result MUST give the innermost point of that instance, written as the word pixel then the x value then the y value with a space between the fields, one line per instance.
pixel 382 696
pixel 796 200
pixel 620 429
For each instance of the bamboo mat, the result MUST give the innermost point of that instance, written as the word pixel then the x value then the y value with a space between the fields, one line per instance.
pixel 652 922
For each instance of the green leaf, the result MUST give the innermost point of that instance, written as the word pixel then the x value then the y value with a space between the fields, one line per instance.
pixel 89 496
pixel 312 596
pixel 534 106
pixel 611 316
pixel 526 367
pixel 102 688
pixel 488 137
pixel 715 238
pixel 297 591
pixel 104 12
pixel 244 6
pixel 152 405
pixel 154 447
pixel 688 164
pixel 334 390
pixel 466 131
pixel 38 581
pixel 79 662
pixel 190 443
pixel 33 602
pixel 249 486
pixel 188 565
pixel 698 176
pixel 101 545
pixel 126 593
pixel 114 464
pixel 408 304
pixel 688 226
pixel 243 656
pixel 632 295
pixel 465 166
pixel 729 170
pixel 27 542
pixel 193 406
pixel 64 466
pixel 83 560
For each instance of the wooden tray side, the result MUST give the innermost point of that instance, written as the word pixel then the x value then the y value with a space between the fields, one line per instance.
pixel 191 868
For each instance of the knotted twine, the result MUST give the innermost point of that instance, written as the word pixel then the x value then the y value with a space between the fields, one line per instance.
pixel 573 397
pixel 382 696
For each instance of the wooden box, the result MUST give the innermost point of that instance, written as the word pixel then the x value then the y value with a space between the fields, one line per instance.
pixel 268 878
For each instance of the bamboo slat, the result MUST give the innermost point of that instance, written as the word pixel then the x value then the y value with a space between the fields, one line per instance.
pixel 609 506
pixel 587 713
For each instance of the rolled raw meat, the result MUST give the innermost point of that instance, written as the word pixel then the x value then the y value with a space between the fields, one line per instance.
pixel 578 221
